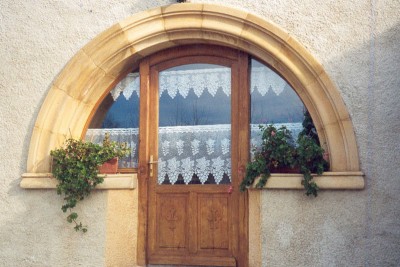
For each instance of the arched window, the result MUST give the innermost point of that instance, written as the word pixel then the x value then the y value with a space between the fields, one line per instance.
pixel 187 92
pixel 118 115
pixel 273 101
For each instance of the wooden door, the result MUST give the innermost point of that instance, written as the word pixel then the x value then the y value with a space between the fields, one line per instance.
pixel 194 114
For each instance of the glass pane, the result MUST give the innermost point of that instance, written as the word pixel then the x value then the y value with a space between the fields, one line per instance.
pixel 194 125
pixel 119 116
pixel 273 101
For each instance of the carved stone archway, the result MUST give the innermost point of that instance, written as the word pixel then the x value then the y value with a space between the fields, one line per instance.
pixel 99 65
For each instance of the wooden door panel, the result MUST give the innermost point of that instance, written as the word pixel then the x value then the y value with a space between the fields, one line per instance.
pixel 172 222
pixel 213 222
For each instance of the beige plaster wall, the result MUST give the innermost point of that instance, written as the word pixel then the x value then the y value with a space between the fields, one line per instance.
pixel 356 41
pixel 37 39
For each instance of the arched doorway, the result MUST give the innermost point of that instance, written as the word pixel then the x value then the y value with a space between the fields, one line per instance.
pixel 200 109
pixel 102 63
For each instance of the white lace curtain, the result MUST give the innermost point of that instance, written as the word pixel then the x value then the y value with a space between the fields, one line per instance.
pixel 185 151
pixel 191 152
pixel 194 150
pixel 181 82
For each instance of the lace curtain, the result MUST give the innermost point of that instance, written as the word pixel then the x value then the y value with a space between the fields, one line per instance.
pixel 194 152
pixel 180 82
pixel 187 152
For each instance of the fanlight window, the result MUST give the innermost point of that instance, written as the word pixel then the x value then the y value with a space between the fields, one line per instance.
pixel 273 101
pixel 119 116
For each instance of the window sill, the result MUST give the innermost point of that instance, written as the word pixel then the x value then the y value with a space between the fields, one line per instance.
pixel 328 180
pixel 111 181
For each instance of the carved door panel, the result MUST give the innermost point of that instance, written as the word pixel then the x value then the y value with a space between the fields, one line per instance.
pixel 213 222
pixel 191 228
pixel 171 221
pixel 193 198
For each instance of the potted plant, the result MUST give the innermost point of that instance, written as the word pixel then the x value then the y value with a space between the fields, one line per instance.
pixel 279 153
pixel 114 150
pixel 76 167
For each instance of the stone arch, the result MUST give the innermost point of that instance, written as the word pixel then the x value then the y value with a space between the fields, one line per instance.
pixel 98 66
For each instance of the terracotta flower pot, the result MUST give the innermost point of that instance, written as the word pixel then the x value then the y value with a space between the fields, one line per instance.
pixel 110 166
pixel 285 169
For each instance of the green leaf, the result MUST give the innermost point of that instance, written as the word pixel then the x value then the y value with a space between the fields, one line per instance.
pixel 75 166
pixel 278 149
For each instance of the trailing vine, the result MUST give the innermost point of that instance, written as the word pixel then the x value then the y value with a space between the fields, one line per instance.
pixel 278 150
pixel 75 166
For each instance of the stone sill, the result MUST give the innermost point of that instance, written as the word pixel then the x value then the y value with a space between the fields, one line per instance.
pixel 328 180
pixel 111 181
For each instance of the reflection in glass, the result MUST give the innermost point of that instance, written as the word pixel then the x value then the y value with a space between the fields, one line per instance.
pixel 194 125
pixel 119 116
pixel 273 100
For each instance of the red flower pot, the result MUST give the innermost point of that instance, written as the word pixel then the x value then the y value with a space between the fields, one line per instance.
pixel 110 166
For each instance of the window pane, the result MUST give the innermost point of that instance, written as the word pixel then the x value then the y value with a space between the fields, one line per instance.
pixel 119 116
pixel 273 101
pixel 195 125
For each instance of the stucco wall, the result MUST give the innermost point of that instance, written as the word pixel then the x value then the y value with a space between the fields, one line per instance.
pixel 357 43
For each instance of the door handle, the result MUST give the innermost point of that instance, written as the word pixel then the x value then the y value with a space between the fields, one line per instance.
pixel 151 163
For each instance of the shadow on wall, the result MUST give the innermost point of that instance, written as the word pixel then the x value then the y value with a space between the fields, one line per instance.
pixel 369 81
pixel 349 228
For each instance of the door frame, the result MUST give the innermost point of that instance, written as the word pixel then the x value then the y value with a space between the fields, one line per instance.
pixel 240 107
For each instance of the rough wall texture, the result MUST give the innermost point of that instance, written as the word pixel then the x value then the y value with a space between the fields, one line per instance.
pixel 37 39
pixel 356 41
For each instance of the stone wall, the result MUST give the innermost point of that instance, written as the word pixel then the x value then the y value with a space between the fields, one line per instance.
pixel 356 41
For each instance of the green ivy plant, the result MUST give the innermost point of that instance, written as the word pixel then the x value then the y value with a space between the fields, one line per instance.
pixel 278 150
pixel 75 166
